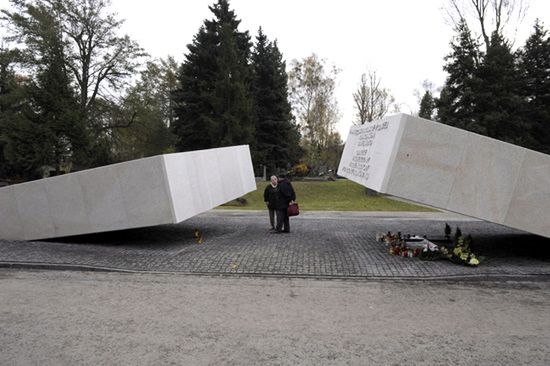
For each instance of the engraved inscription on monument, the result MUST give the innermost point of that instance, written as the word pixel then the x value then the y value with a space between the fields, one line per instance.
pixel 364 137
pixel 367 152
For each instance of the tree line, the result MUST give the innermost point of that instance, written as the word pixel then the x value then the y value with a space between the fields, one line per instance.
pixel 491 89
pixel 64 92
pixel 75 94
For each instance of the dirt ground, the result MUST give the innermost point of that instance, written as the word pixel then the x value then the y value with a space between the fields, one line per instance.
pixel 93 318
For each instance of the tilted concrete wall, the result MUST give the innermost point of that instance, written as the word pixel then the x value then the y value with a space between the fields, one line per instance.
pixel 145 192
pixel 452 169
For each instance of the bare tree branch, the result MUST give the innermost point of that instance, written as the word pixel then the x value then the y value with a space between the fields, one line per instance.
pixel 490 15
pixel 371 101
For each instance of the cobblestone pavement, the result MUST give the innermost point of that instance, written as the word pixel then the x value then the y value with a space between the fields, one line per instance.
pixel 320 244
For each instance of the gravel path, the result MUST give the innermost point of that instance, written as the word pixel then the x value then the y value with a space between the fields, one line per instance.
pixel 91 318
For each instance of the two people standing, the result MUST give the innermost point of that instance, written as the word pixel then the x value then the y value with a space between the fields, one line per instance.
pixel 277 196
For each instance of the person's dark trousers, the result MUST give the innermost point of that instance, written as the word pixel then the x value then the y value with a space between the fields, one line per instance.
pixel 283 223
pixel 272 217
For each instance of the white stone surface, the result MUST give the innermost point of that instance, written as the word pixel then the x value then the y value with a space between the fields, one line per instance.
pixel 216 174
pixel 9 214
pixel 69 213
pixel 449 168
pixel 162 189
pixel 532 195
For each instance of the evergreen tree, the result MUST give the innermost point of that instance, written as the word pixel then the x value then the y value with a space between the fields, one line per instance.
pixel 534 66
pixel 57 104
pixel 427 106
pixel 43 132
pixel 456 103
pixel 12 100
pixel 498 102
pixel 194 124
pixel 277 137
pixel 26 141
pixel 213 104
pixel 94 59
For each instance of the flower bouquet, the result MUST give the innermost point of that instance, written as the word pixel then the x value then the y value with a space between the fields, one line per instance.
pixel 415 246
pixel 461 253
pixel 408 246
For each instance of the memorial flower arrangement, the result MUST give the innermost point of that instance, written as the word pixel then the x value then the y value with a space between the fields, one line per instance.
pixel 409 246
pixel 197 234
pixel 459 250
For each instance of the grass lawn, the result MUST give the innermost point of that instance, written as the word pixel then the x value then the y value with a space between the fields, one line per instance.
pixel 341 195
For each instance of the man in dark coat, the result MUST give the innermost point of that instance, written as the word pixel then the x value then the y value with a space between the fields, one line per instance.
pixel 286 196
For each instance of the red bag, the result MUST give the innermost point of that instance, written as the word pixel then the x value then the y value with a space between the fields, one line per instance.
pixel 293 209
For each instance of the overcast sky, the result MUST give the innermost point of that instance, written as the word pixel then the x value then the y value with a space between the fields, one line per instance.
pixel 404 41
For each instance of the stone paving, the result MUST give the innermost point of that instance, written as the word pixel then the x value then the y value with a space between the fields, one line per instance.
pixel 338 245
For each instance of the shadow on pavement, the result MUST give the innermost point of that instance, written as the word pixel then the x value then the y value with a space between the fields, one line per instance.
pixel 159 236
pixel 513 245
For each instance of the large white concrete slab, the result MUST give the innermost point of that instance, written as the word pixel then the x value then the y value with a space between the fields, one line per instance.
pixel 158 190
pixel 452 169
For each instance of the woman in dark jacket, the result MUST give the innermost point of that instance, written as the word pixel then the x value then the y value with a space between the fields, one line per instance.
pixel 286 196
pixel 271 196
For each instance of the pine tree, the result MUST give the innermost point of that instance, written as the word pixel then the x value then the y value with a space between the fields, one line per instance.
pixel 497 100
pixel 277 137
pixel 213 103
pixel 58 106
pixel 456 103
pixel 427 106
pixel 25 137
pixel 96 60
pixel 12 100
pixel 194 124
pixel 43 130
pixel 534 66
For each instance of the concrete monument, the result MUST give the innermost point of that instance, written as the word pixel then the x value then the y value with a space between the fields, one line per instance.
pixel 449 168
pixel 157 190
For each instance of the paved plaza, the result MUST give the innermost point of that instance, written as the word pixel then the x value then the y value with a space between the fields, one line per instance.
pixel 321 244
